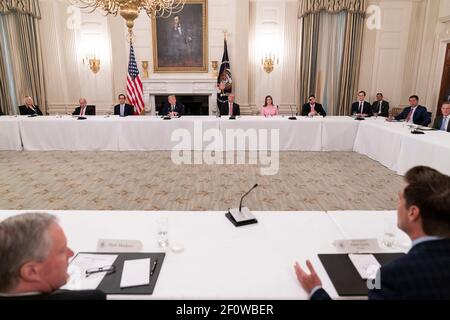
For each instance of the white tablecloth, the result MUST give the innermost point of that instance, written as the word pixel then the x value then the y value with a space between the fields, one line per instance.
pixel 339 133
pixel 10 134
pixel 431 149
pixel 391 144
pixel 152 133
pixel 301 135
pixel 219 261
pixel 68 133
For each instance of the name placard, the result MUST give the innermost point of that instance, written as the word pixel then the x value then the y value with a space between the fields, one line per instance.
pixel 117 245
pixel 357 245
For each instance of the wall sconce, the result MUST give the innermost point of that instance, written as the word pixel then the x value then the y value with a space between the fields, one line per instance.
pixel 145 69
pixel 269 62
pixel 215 67
pixel 92 62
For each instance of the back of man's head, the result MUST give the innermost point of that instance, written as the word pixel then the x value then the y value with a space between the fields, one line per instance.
pixel 23 238
pixel 429 190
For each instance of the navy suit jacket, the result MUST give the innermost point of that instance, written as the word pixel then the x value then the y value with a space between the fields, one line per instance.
pixel 90 111
pixel 423 273
pixel 178 108
pixel 367 109
pixel 225 109
pixel 438 123
pixel 421 116
pixel 24 111
pixel 306 109
pixel 129 110
pixel 384 112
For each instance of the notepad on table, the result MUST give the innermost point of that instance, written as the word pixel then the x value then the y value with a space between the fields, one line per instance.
pixel 135 273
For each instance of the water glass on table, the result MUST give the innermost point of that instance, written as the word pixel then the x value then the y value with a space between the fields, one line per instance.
pixel 389 232
pixel 163 232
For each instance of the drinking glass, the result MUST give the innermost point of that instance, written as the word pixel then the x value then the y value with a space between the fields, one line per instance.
pixel 163 232
pixel 389 231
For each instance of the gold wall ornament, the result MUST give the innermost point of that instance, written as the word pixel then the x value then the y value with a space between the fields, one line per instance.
pixel 145 69
pixel 215 67
pixel 269 62
pixel 92 62
pixel 129 9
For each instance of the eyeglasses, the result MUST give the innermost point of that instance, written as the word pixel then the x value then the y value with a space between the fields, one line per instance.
pixel 107 269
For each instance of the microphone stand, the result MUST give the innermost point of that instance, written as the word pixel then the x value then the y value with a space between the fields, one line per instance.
pixel 242 216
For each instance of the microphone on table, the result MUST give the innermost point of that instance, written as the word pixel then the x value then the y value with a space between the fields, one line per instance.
pixel 242 216
pixel 292 113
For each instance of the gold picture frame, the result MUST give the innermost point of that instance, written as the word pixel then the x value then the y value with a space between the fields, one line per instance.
pixel 180 42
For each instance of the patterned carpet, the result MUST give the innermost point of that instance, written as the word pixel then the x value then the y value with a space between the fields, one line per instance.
pixel 150 181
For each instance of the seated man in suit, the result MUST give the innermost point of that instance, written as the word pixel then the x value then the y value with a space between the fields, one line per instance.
pixel 1 112
pixel 172 108
pixel 312 108
pixel 443 122
pixel 29 108
pixel 83 109
pixel 34 259
pixel 230 108
pixel 424 272
pixel 381 107
pixel 415 114
pixel 123 109
pixel 362 108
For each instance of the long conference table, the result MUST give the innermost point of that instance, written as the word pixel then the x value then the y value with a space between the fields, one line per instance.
pixel 391 144
pixel 220 261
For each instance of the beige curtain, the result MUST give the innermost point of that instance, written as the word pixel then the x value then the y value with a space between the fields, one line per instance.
pixel 340 80
pixel 308 58
pixel 23 53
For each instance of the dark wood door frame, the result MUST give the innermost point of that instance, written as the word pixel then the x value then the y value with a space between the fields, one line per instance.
pixel 444 94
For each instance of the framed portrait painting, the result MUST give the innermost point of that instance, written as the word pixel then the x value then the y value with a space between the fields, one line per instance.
pixel 180 42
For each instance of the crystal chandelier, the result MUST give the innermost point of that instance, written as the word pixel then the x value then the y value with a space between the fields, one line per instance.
pixel 129 9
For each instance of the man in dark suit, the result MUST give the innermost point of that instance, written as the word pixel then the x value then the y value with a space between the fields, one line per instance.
pixel 84 109
pixel 172 107
pixel 123 109
pixel 312 108
pixel 1 112
pixel 34 259
pixel 443 122
pixel 362 108
pixel 415 113
pixel 230 108
pixel 423 273
pixel 381 106
pixel 29 108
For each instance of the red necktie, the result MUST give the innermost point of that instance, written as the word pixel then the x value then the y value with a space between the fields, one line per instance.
pixel 231 109
pixel 408 118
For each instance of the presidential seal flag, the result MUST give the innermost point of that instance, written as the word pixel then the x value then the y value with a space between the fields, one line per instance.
pixel 225 71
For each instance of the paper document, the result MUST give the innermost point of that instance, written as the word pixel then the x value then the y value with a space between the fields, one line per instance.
pixel 135 273
pixel 81 263
pixel 366 264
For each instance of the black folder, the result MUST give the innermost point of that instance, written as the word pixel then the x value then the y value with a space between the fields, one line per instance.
pixel 345 277
pixel 111 282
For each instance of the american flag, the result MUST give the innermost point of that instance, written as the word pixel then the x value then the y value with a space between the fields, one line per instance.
pixel 134 85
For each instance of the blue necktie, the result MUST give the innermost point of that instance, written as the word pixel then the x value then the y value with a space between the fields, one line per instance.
pixel 444 120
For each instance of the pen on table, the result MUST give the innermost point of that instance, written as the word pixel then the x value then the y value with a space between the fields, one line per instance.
pixel 153 267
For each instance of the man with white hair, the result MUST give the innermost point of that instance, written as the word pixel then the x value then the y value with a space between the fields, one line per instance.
pixel 84 109
pixel 29 108
pixel 34 259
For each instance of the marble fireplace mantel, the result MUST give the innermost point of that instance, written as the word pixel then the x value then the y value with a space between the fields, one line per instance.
pixel 184 84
